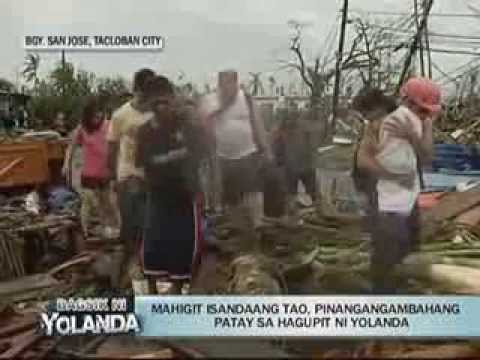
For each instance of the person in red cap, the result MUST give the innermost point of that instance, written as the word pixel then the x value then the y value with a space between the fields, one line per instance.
pixel 404 145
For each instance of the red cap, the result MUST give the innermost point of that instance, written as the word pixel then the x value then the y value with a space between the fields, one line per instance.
pixel 424 93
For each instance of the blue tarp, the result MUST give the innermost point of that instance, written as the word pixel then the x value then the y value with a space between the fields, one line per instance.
pixel 453 164
pixel 453 157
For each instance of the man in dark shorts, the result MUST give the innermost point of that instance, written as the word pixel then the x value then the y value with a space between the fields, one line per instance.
pixel 170 149
pixel 122 139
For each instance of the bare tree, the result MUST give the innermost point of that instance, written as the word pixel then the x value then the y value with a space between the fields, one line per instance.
pixel 372 53
pixel 314 75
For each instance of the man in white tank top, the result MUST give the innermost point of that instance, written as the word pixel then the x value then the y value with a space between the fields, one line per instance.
pixel 240 144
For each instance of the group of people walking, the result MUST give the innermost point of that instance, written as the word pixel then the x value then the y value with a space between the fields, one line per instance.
pixel 152 150
pixel 154 146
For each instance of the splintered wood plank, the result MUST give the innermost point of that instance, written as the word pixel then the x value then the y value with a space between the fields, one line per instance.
pixel 162 354
pixel 20 325
pixel 26 284
pixel 471 217
pixel 454 351
pixel 23 343
pixel 451 206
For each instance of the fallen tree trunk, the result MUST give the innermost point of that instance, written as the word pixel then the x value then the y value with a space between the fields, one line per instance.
pixel 443 278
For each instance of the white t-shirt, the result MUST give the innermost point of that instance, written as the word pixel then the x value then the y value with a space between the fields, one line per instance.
pixel 123 129
pixel 233 130
pixel 399 157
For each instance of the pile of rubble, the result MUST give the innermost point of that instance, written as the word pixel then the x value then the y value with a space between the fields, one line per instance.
pixel 38 243
pixel 321 254
pixel 459 123
pixel 31 240
pixel 313 253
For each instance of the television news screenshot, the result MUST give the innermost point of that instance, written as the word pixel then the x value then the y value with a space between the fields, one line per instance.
pixel 240 179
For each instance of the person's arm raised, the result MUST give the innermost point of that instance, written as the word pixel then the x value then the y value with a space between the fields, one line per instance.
pixel 423 145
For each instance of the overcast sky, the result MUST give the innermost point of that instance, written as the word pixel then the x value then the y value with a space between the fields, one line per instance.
pixel 202 36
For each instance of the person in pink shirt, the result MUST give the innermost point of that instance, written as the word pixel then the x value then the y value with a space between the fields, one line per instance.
pixel 91 135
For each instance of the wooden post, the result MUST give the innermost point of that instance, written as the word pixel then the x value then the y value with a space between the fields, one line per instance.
pixel 413 46
pixel 338 66
pixel 427 41
pixel 420 42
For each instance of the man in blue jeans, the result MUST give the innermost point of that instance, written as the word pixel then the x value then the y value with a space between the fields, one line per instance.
pixel 122 138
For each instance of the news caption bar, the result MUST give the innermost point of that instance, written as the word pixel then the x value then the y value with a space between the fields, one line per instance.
pixel 267 316
pixel 309 316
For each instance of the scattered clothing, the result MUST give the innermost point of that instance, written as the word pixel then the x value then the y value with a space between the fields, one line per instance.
pixel 32 203
pixel 60 198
